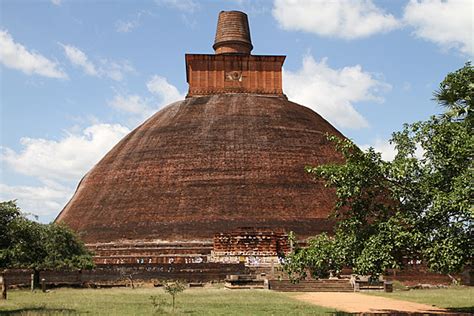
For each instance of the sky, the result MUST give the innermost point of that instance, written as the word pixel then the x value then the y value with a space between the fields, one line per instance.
pixel 77 76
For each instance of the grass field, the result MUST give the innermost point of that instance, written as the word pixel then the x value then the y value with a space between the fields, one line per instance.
pixel 200 301
pixel 459 298
pixel 126 301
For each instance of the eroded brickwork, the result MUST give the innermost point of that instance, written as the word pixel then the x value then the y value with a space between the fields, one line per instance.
pixel 208 165
pixel 233 154
pixel 119 275
pixel 251 241
pixel 232 33
pixel 143 253
pixel 214 74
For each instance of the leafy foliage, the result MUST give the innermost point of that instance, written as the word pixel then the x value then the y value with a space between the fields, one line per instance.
pixel 321 258
pixel 456 93
pixel 28 244
pixel 412 208
pixel 173 288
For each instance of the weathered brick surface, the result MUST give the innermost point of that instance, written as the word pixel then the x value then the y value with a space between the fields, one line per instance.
pixel 117 274
pixel 231 155
pixel 150 252
pixel 251 241
pixel 17 276
pixel 411 277
pixel 209 165
pixel 214 74
pixel 233 33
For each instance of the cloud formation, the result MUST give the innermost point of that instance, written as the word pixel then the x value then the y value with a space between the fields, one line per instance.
pixel 44 201
pixel 165 91
pixel 104 68
pixel 337 18
pixel 382 146
pixel 78 58
pixel 131 104
pixel 129 25
pixel 388 150
pixel 66 159
pixel 58 165
pixel 139 107
pixel 16 56
pixel 125 26
pixel 333 92
pixel 449 23
pixel 188 6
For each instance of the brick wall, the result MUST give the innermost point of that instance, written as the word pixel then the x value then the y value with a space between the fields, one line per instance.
pixel 251 241
pixel 214 74
pixel 117 275
pixel 150 252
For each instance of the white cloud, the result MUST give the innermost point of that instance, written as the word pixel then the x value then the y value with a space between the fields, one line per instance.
pixel 181 5
pixel 382 146
pixel 56 2
pixel 107 68
pixel 58 165
pixel 125 26
pixel 16 56
pixel 115 70
pixel 446 23
pixel 140 107
pixel 78 58
pixel 44 201
pixel 133 104
pixel 333 92
pixel 129 25
pixel 388 150
pixel 66 159
pixel 164 90
pixel 346 19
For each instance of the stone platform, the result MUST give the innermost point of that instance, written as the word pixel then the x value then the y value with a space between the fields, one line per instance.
pixel 137 252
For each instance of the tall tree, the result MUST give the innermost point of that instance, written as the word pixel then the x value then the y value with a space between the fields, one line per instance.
pixel 28 244
pixel 416 207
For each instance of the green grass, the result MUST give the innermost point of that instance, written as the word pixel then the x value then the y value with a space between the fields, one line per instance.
pixel 456 298
pixel 126 301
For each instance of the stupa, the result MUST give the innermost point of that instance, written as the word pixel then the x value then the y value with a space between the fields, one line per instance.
pixel 216 176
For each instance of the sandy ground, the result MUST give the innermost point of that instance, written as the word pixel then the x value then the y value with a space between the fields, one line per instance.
pixel 359 303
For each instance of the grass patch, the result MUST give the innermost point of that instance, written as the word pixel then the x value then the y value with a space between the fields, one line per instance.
pixel 126 301
pixel 455 298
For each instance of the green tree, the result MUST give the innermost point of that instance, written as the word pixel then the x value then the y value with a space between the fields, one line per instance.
pixel 411 208
pixel 173 288
pixel 28 244
pixel 321 258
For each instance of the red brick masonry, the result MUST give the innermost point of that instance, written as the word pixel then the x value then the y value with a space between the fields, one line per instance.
pixel 208 165
pixel 251 241
pixel 230 73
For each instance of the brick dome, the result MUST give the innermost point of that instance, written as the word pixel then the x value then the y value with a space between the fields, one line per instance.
pixel 206 165
pixel 231 155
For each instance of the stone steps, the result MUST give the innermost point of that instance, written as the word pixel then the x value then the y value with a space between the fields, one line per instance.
pixel 244 281
pixel 311 286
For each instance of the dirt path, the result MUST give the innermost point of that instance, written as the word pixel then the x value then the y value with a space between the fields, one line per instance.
pixel 360 303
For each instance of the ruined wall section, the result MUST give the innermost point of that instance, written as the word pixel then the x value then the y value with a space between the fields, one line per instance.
pixel 254 246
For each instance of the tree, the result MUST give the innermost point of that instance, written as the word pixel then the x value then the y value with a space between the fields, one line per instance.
pixel 173 288
pixel 322 258
pixel 28 244
pixel 411 208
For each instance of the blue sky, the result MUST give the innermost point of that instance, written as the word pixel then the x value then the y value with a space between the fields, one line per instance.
pixel 76 76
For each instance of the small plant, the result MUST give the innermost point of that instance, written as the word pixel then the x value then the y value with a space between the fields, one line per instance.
pixel 173 288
